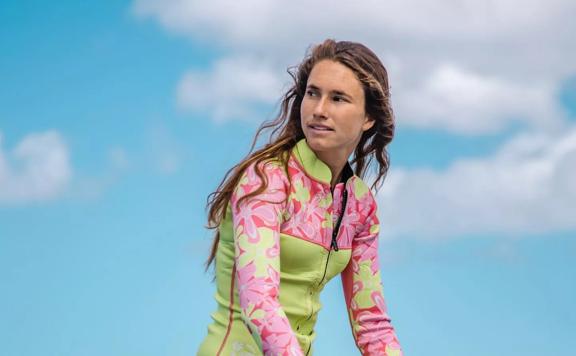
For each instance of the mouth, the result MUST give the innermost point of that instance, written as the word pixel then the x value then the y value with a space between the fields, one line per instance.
pixel 319 127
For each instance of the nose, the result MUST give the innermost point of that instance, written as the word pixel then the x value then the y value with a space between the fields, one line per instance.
pixel 320 108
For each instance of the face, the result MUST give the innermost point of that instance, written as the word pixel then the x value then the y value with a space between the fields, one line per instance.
pixel 332 111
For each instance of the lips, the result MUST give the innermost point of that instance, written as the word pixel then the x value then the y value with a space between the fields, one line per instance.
pixel 320 127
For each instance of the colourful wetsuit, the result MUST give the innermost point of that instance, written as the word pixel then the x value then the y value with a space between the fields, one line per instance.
pixel 274 258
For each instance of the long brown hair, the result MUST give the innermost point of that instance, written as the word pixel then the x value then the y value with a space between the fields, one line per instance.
pixel 287 129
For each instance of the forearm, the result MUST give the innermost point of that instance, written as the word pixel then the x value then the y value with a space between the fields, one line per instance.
pixel 267 321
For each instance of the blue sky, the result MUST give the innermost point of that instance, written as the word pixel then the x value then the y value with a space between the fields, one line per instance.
pixel 118 118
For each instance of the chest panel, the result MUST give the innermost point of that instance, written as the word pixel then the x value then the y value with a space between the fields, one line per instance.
pixel 312 210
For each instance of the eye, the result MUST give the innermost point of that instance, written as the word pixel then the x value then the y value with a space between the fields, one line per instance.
pixel 310 92
pixel 338 98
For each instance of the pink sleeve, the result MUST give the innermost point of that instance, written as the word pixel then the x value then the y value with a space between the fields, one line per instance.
pixel 256 224
pixel 363 291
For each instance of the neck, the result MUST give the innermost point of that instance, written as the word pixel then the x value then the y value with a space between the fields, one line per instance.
pixel 336 165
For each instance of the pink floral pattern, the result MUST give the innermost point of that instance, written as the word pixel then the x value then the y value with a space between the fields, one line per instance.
pixel 256 223
pixel 310 207
pixel 309 213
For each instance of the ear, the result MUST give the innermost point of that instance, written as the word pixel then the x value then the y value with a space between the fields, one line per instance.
pixel 368 123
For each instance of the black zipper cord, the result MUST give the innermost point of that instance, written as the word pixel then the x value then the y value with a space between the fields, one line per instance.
pixel 335 231
pixel 342 212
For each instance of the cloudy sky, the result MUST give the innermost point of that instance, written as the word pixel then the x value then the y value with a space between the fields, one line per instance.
pixel 118 118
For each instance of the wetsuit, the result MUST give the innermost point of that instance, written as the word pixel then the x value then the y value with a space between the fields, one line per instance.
pixel 274 257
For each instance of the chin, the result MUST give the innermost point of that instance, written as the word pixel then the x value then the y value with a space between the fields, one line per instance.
pixel 317 144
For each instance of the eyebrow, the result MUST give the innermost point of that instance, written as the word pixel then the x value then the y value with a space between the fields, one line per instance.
pixel 337 92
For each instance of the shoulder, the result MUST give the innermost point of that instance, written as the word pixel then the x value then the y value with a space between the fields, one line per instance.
pixel 362 191
pixel 269 168
pixel 365 204
pixel 269 173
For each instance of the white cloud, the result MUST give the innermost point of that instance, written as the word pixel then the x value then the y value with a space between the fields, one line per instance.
pixel 37 169
pixel 258 22
pixel 233 89
pixel 514 53
pixel 467 103
pixel 527 187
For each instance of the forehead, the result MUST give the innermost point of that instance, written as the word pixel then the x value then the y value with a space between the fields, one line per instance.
pixel 329 75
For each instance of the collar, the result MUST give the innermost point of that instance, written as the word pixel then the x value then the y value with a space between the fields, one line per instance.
pixel 315 167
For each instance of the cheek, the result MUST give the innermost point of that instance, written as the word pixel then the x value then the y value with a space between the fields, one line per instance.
pixel 304 108
pixel 355 120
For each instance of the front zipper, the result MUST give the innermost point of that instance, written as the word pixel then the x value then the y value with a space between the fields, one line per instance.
pixel 333 245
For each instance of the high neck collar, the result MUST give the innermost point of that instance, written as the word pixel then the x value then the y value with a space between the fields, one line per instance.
pixel 315 167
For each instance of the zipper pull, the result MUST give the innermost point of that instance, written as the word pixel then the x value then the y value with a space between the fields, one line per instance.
pixel 337 227
pixel 334 242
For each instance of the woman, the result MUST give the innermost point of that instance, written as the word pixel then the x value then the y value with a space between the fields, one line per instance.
pixel 294 214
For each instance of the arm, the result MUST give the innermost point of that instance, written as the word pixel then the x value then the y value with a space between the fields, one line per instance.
pixel 256 224
pixel 371 327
